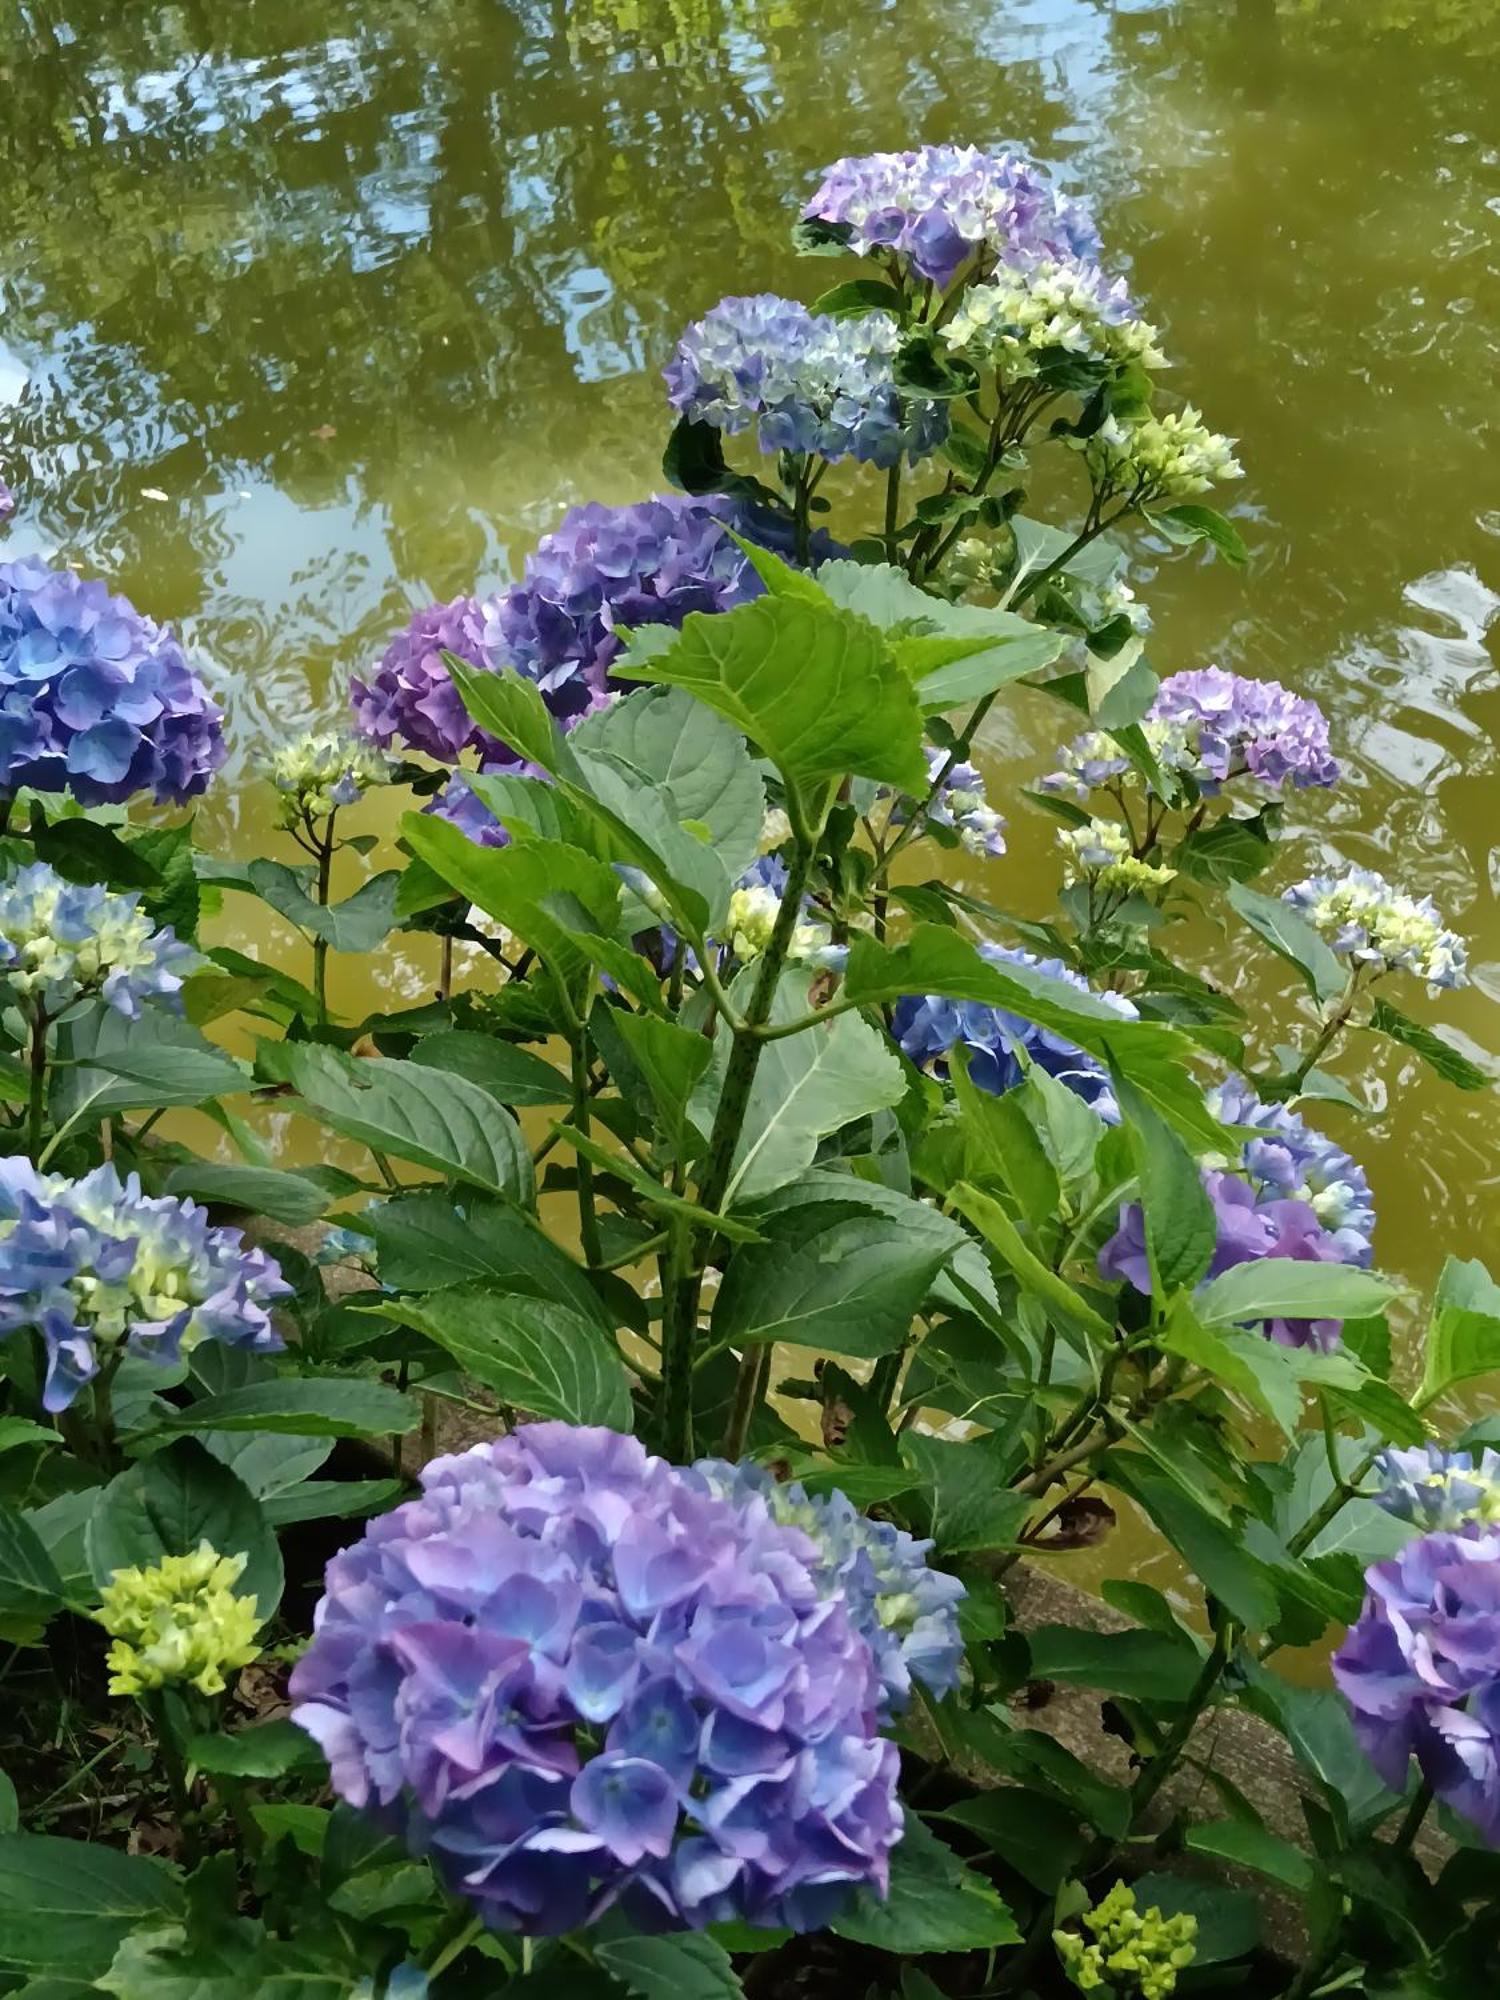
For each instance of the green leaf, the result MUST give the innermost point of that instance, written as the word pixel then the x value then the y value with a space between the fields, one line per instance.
pixel 438 1121
pixel 18 1433
pixel 287 1198
pixel 65 1905
pixel 1248 1845
pixel 425 1244
pixel 1434 1051
pixel 1246 1364
pixel 860 295
pixel 154 1061
pixel 1316 1722
pixel 834 1278
pixel 669 1060
pixel 1293 938
pixel 167 1504
pixel 654 1193
pixel 807 1086
pixel 1036 1835
pixel 1148 1665
pixel 935 1904
pixel 1189 523
pixel 535 1355
pixel 1181 1230
pixel 1054 1292
pixel 331 1500
pixel 1282 1288
pixel 1463 1334
pixel 1042 1760
pixel 1039 545
pixel 268 1750
pixel 687 1966
pixel 972 1507
pixel 300 1406
pixel 360 923
pixel 814 689
pixel 507 705
pixel 1240 1582
pixel 511 1075
pixel 30 1587
pixel 1228 1919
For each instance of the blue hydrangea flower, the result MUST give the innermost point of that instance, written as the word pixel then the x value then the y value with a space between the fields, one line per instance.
pixel 459 803
pixel 94 1266
pixel 577 1678
pixel 806 381
pixel 1438 1489
pixel 906 1612
pixel 1370 923
pixel 61 941
pixel 96 699
pixel 1292 1161
pixel 1421 1671
pixel 927 1027
pixel 962 808
pixel 936 206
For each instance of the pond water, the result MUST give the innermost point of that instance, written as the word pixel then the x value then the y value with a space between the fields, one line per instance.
pixel 313 312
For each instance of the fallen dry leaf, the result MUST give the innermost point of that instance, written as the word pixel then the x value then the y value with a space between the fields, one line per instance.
pixel 324 432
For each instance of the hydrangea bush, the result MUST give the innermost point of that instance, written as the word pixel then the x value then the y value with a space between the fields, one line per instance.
pixel 524 1482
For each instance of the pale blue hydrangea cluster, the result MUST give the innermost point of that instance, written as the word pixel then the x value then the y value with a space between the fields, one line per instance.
pixel 1160 458
pixel 95 698
pixel 317 773
pixel 96 1267
pixel 62 941
pixel 1287 1158
pixel 1440 1490
pixel 936 207
pixel 906 1611
pixel 961 808
pixel 579 1680
pixel 806 382
pixel 1370 923
pixel 1047 305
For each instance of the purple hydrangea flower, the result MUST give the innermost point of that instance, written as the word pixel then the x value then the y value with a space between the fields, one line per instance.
pixel 1421 1671
pixel 459 803
pixel 927 1027
pixel 1250 1225
pixel 410 696
pixel 906 1612
pixel 95 698
pixel 1292 1160
pixel 1214 728
pixel 63 941
pixel 963 809
pixel 1438 1489
pixel 94 1266
pixel 577 1678
pixel 938 205
pixel 807 381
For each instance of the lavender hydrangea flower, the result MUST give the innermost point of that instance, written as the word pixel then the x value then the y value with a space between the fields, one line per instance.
pixel 961 807
pixel 806 381
pixel 1249 1226
pixel 1438 1489
pixel 927 1026
pixel 410 696
pixel 1294 1161
pixel 1421 1671
pixel 95 698
pixel 1213 728
pixel 905 1611
pixel 577 1678
pixel 61 941
pixel 1371 923
pixel 936 206
pixel 95 1267
pixel 461 805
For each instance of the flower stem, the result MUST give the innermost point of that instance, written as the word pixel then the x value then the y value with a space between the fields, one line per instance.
pixel 1411 1822
pixel 36 1111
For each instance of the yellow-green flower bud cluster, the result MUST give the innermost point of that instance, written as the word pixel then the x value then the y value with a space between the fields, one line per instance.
pixel 1167 457
pixel 1130 1951
pixel 317 773
pixel 1100 853
pixel 179 1619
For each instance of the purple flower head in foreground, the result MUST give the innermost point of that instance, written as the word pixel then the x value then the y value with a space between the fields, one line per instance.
pixel 1213 728
pixel 578 1677
pixel 1438 1489
pixel 96 699
pixel 63 941
pixel 807 381
pixel 928 1026
pixel 937 205
pixel 906 1612
pixel 1285 1156
pixel 1249 1226
pixel 410 696
pixel 94 1265
pixel 1421 1671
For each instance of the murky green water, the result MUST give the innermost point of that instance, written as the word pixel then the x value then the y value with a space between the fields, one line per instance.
pixel 312 312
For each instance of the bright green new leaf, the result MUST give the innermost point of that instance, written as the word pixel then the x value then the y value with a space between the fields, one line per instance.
pixel 535 1355
pixel 1293 938
pixel 1282 1288
pixel 1054 1292
pixel 1463 1334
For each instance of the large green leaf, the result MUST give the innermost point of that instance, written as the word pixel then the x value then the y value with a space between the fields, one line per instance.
pixel 65 1905
pixel 434 1119
pixel 535 1355
pixel 1463 1334
pixel 30 1586
pixel 935 1904
pixel 1054 1292
pixel 1291 936
pixel 688 1966
pixel 1039 545
pixel 972 1507
pixel 816 690
pixel 1283 1288
pixel 833 1277
pixel 359 923
pixel 300 1406
pixel 1152 1666
pixel 154 1061
pixel 288 1198
pixel 664 1060
pixel 1439 1055
pixel 425 1244
pixel 1211 1550
pixel 1247 1844
pixel 167 1504
pixel 509 706
pixel 1033 1833
pixel 1181 1230
pixel 510 1074
pixel 1246 1364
